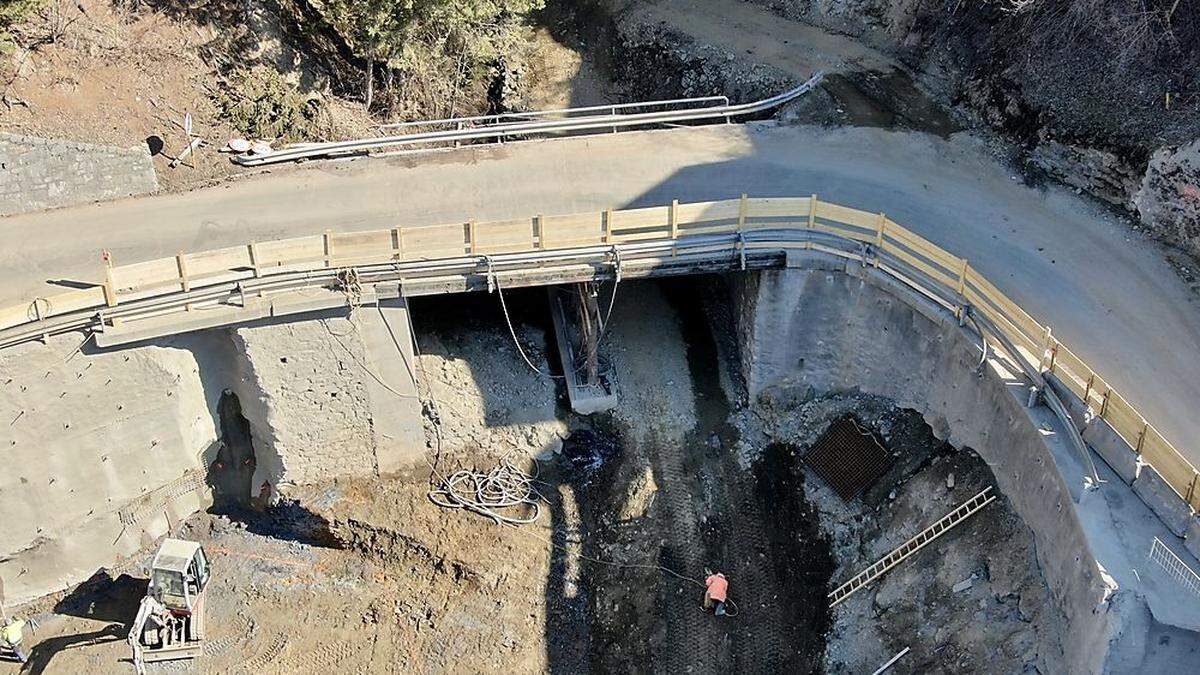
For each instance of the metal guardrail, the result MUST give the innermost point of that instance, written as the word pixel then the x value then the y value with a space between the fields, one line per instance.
pixel 527 128
pixel 1174 567
pixel 723 234
pixel 484 120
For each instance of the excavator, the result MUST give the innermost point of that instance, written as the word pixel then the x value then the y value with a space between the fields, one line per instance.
pixel 170 621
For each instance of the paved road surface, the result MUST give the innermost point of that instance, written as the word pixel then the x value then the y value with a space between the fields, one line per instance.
pixel 1109 295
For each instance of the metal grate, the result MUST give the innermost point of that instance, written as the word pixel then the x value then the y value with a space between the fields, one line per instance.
pixel 848 458
pixel 1176 569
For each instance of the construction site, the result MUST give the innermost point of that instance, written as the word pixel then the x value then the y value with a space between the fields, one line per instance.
pixel 692 337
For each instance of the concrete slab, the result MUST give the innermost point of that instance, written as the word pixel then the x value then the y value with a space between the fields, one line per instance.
pixel 392 388
pixel 1162 499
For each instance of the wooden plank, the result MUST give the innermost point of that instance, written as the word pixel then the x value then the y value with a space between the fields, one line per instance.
pixel 641 236
pixel 636 219
pixel 1071 370
pixel 777 207
pixel 922 246
pixel 847 215
pixel 1017 316
pixel 707 212
pixel 573 228
pixel 692 230
pixel 217 261
pixel 287 251
pixel 145 275
pixel 367 243
pixel 848 232
pixel 936 273
pixel 1123 418
pixel 1172 466
pixel 434 241
pixel 503 236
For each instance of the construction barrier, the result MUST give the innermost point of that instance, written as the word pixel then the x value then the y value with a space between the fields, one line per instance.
pixel 878 241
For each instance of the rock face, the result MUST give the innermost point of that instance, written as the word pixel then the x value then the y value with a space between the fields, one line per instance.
pixel 1098 172
pixel 1168 202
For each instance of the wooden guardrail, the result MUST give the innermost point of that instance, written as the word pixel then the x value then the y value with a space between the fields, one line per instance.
pixel 881 242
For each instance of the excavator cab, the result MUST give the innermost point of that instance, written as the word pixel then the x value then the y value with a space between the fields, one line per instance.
pixel 170 621
pixel 178 575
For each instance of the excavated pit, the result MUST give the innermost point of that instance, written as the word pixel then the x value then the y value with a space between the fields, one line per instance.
pixel 691 472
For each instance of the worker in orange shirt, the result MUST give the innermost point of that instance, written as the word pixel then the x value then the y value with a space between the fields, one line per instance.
pixel 715 588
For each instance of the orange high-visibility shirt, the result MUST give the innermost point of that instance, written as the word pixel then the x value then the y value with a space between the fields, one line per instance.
pixel 717 586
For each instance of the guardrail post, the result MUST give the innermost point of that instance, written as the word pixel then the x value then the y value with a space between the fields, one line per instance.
pixel 184 282
pixel 329 248
pixel 181 265
pixel 879 238
pixel 110 289
pixel 254 258
pixel 1045 358
pixel 606 226
pixel 397 244
pixel 960 312
pixel 673 221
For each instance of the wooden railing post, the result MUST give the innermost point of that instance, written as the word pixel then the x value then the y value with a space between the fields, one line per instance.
pixel 254 258
pixel 110 289
pixel 1191 493
pixel 960 312
pixel 181 266
pixel 1141 438
pixel 329 248
pixel 673 218
pixel 741 223
pixel 1045 358
pixel 184 282
pixel 879 237
pixel 606 226
pixel 539 236
pixel 397 244
pixel 471 236
pixel 812 212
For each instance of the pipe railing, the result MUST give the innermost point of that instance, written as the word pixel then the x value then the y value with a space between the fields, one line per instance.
pixel 725 234
pixel 539 127
pixel 612 108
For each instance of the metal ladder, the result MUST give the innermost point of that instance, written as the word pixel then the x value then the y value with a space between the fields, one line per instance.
pixel 887 562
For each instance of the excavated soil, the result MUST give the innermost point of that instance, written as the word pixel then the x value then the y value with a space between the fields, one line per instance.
pixel 368 575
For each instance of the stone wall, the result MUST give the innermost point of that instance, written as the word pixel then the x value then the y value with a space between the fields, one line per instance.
pixel 102 453
pixel 328 396
pixel 40 173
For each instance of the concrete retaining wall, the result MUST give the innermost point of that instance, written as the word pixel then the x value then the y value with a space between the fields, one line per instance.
pixel 835 332
pixel 101 452
pixel 40 173
pixel 107 450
